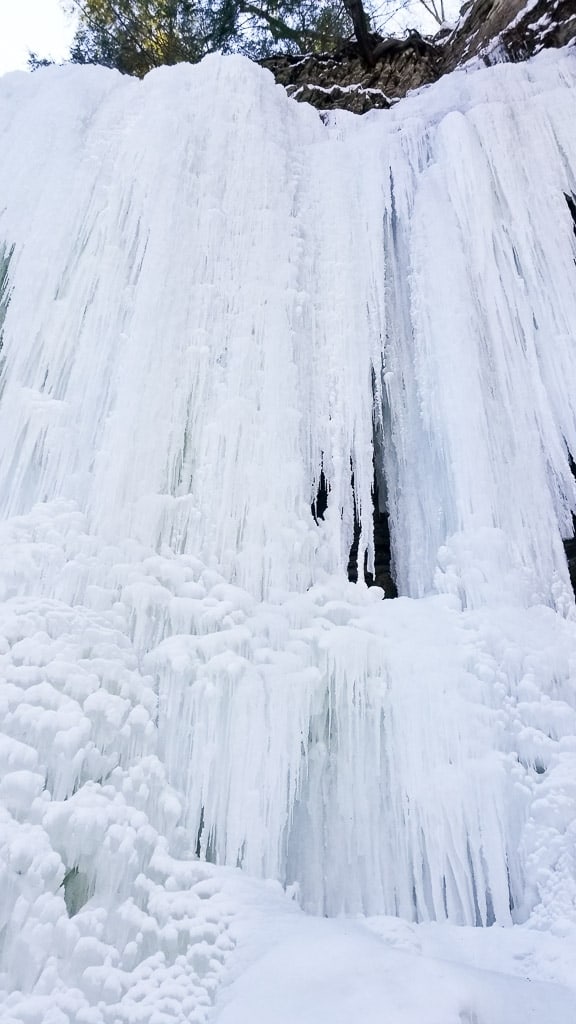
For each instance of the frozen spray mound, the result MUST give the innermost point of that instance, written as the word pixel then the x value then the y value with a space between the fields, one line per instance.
pixel 207 298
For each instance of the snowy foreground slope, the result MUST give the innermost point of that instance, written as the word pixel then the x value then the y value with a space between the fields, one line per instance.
pixel 207 297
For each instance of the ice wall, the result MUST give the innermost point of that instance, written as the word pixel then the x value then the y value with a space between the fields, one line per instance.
pixel 213 295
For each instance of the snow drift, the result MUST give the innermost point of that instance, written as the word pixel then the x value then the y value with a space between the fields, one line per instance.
pixel 209 297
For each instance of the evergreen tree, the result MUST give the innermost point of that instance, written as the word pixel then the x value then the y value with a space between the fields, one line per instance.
pixel 137 35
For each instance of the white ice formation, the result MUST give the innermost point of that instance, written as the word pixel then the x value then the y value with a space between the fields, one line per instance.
pixel 210 296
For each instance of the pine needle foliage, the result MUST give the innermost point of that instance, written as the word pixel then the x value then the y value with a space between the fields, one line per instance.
pixel 135 36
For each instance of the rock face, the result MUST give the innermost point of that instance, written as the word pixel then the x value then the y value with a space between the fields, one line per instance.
pixel 489 31
pixel 496 30
pixel 343 82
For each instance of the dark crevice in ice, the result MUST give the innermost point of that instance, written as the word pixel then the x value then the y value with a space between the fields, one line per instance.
pixel 5 257
pixel 382 575
pixel 570 542
pixel 77 890
pixel 571 200
pixel 320 503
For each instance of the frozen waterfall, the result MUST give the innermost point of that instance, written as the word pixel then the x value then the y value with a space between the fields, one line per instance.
pixel 208 297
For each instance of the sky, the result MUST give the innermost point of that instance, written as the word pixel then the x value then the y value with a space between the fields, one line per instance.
pixel 37 25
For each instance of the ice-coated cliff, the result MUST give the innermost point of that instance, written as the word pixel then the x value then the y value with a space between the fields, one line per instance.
pixel 211 296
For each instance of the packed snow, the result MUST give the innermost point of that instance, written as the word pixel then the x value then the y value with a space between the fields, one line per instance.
pixel 234 786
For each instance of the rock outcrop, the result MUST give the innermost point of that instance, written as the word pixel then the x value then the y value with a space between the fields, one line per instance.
pixel 488 31
pixel 496 30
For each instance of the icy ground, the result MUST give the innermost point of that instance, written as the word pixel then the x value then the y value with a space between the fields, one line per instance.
pixel 207 297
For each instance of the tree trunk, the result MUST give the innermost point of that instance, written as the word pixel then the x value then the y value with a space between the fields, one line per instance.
pixel 361 23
